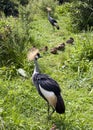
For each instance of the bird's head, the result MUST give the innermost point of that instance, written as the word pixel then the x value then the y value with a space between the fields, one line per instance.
pixel 48 9
pixel 33 54
pixel 37 56
pixel 71 38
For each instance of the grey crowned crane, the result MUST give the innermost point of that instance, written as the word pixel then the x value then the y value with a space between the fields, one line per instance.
pixel 52 20
pixel 48 89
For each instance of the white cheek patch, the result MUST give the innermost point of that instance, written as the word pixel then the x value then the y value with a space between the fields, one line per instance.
pixel 50 96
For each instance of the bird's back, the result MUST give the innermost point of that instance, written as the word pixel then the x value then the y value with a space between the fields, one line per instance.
pixel 51 20
pixel 46 82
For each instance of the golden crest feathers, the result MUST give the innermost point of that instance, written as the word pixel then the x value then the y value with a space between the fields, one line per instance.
pixel 32 53
pixel 48 8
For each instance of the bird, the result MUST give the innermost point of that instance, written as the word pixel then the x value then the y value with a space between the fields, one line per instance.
pixel 44 49
pixel 48 89
pixel 61 47
pixel 70 41
pixel 53 50
pixel 52 20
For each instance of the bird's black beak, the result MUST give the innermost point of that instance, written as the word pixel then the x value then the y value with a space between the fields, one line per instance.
pixel 38 56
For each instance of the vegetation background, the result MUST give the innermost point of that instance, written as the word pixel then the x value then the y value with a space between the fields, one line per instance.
pixel 23 24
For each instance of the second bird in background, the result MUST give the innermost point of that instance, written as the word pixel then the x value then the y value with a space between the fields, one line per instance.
pixel 52 20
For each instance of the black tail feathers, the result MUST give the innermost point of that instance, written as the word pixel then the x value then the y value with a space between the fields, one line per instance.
pixel 60 106
pixel 57 27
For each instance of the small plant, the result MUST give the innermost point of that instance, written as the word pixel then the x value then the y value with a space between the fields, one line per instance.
pixel 8 72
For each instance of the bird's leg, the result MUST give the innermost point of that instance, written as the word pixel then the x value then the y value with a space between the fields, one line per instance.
pixel 52 111
pixel 49 115
pixel 48 109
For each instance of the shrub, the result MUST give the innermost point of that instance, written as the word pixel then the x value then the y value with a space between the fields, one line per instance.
pixel 7 72
pixel 82 14
pixel 12 42
pixel 83 54
pixel 9 8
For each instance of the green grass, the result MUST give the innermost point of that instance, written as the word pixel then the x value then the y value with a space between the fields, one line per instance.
pixel 21 108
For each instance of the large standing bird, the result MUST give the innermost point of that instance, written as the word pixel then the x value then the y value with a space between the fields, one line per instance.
pixel 48 89
pixel 52 20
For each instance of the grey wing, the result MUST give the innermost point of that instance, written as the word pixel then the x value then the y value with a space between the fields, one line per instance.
pixel 48 83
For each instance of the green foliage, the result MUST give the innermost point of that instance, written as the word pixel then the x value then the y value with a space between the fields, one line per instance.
pixel 22 108
pixel 64 9
pixel 8 72
pixel 29 12
pixel 82 56
pixel 48 3
pixel 11 42
pixel 24 2
pixel 82 14
pixel 9 7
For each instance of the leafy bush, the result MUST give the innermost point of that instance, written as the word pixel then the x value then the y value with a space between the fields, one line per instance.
pixel 64 9
pixel 83 54
pixel 12 42
pixel 8 72
pixel 9 8
pixel 82 14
